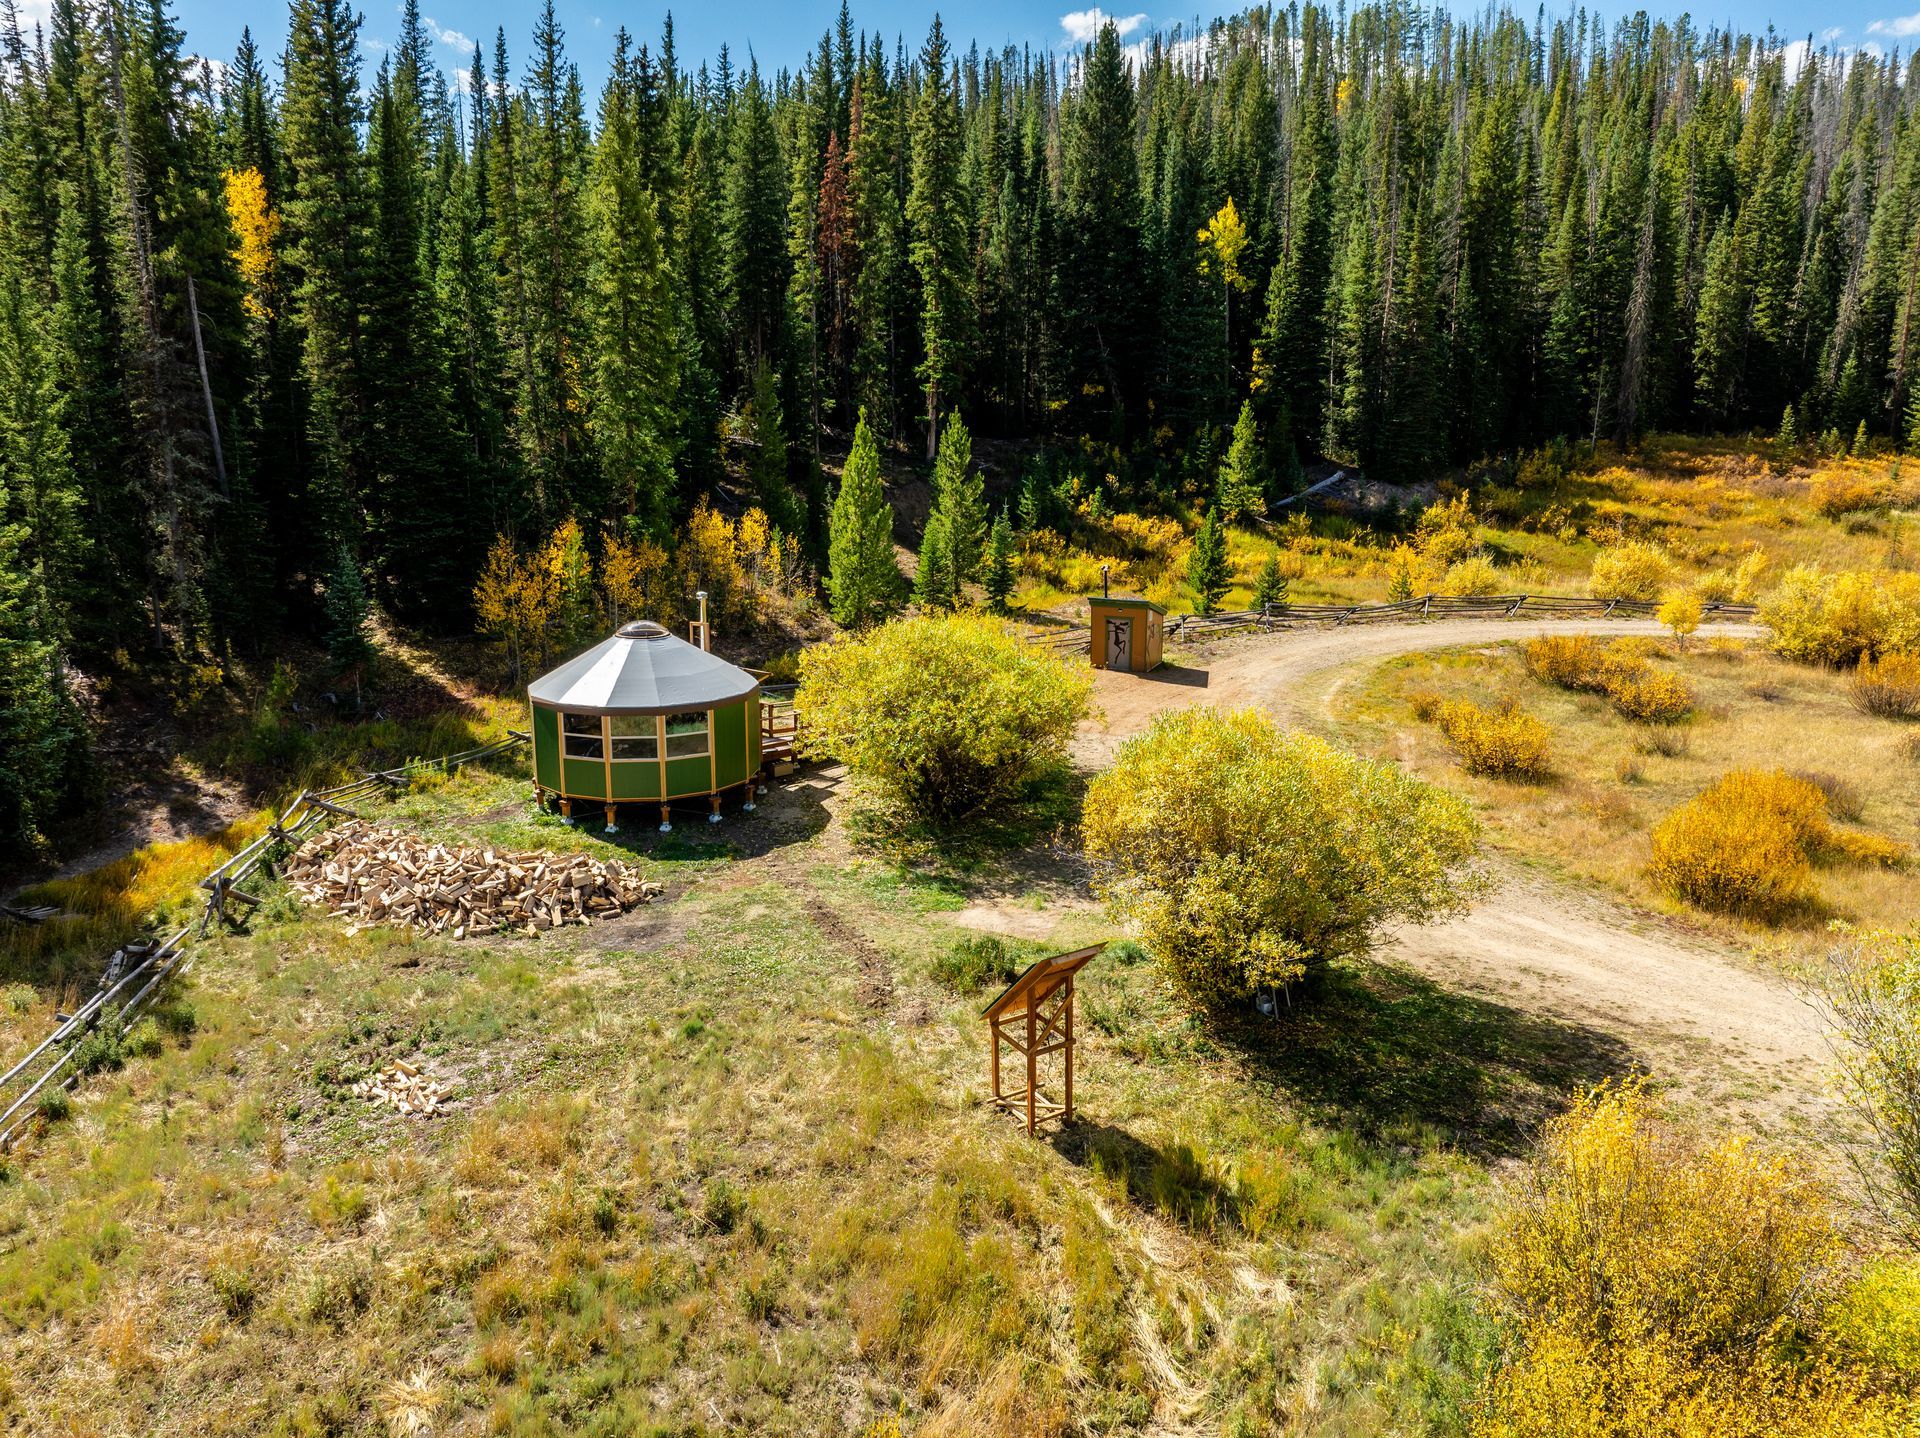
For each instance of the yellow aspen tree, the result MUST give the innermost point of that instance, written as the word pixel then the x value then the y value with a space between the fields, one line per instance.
pixel 257 227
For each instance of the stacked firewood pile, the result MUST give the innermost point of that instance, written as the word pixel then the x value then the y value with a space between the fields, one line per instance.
pixel 404 1089
pixel 382 876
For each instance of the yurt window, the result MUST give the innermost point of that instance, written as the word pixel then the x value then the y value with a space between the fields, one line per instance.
pixel 635 736
pixel 583 735
pixel 687 735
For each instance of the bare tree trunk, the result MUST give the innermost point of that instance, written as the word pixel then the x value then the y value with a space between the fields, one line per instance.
pixel 206 388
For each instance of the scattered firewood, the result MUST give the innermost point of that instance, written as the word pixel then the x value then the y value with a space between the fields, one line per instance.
pixel 404 1089
pixel 374 875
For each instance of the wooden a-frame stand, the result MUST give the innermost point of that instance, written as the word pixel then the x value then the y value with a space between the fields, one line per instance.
pixel 1033 1018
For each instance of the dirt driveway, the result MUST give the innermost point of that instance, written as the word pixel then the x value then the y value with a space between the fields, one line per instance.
pixel 1702 1019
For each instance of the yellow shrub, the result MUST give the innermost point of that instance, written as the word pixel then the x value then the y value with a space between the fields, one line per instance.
pixel 1634 570
pixel 1629 1226
pixel 1681 611
pixel 945 717
pixel 1822 618
pixel 1643 1274
pixel 1888 686
pixel 1852 846
pixel 1567 660
pixel 1244 854
pixel 1149 537
pixel 1504 743
pixel 1475 574
pixel 1618 670
pixel 1838 492
pixel 1650 696
pixel 1743 846
pixel 1739 585
pixel 1876 1323
pixel 1559 1385
pixel 1444 534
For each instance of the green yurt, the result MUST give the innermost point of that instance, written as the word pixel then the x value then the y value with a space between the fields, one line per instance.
pixel 644 717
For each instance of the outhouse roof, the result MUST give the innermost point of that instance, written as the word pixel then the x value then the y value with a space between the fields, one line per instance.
pixel 1126 601
pixel 642 669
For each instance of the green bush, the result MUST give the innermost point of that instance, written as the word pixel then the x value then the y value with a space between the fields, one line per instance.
pixel 942 716
pixel 1246 855
pixel 980 961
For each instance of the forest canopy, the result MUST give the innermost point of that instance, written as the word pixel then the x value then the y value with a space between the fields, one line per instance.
pixel 258 316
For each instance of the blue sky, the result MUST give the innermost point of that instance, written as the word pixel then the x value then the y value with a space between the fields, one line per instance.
pixel 782 33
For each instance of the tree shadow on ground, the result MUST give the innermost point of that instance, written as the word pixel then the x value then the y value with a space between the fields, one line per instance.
pixel 1380 1050
pixel 1178 675
pixel 1170 1179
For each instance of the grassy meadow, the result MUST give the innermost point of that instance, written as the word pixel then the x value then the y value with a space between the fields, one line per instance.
pixel 693 1183
pixel 1611 780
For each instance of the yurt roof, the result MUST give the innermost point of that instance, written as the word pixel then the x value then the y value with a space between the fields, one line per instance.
pixel 642 669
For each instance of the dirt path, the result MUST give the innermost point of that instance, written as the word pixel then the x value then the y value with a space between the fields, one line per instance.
pixel 1703 1019
pixel 1286 672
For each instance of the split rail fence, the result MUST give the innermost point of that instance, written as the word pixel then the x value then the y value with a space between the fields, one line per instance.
pixel 1076 639
pixel 140 968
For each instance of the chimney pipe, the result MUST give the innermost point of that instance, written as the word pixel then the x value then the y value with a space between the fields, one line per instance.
pixel 705 643
pixel 1103 581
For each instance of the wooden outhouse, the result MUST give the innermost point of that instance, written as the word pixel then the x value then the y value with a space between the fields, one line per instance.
pixel 1126 632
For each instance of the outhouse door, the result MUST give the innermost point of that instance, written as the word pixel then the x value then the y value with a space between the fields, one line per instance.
pixel 1119 644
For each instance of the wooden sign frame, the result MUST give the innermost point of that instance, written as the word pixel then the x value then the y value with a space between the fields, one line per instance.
pixel 1033 1016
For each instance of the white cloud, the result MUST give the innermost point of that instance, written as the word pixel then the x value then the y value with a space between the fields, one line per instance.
pixel 1833 32
pixel 1899 27
pixel 448 35
pixel 1083 25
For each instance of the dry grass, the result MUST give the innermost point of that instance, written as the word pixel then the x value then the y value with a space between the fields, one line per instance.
pixel 1618 779
pixel 692 1183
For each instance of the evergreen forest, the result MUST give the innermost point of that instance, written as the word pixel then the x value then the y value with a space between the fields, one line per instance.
pixel 277 328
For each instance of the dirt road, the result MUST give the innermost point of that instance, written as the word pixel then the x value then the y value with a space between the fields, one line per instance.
pixel 1706 1021
pixel 1287 671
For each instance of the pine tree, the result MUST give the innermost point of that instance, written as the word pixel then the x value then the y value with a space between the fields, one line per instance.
pixel 998 578
pixel 936 583
pixel 1787 440
pixel 939 231
pixel 755 226
pixel 959 499
pixel 1400 581
pixel 1719 331
pixel 43 747
pixel 1242 486
pixel 329 219
pixel 1101 268
pixel 548 150
pixel 349 646
pixel 770 456
pixel 862 578
pixel 1270 585
pixel 880 247
pixel 425 541
pixel 636 354
pixel 1207 574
